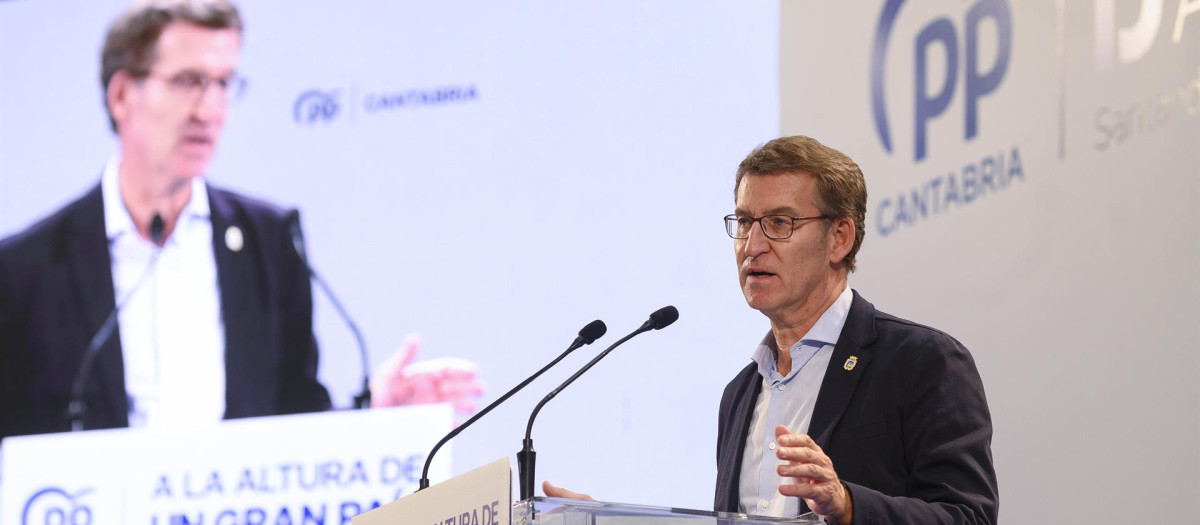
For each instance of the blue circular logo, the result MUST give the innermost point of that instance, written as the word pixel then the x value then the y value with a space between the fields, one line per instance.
pixel 315 106
pixel 55 506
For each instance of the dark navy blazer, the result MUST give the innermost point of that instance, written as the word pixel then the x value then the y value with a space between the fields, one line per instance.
pixel 56 289
pixel 907 428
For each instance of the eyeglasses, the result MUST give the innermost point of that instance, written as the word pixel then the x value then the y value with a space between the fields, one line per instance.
pixel 777 227
pixel 195 84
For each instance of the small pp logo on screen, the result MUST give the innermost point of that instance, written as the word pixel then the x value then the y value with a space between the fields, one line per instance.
pixel 55 506
pixel 316 106
pixel 981 77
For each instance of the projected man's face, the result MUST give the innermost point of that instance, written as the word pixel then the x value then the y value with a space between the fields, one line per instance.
pixel 169 122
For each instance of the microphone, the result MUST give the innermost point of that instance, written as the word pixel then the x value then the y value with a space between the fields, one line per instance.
pixel 76 406
pixel 363 399
pixel 587 335
pixel 661 318
pixel 157 227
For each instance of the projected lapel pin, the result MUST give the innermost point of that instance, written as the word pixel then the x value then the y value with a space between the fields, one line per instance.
pixel 233 239
pixel 853 360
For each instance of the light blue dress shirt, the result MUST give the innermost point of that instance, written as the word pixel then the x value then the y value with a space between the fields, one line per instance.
pixel 786 400
pixel 172 332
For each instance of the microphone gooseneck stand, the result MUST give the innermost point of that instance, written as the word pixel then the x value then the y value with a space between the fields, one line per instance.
pixel 527 457
pixel 587 335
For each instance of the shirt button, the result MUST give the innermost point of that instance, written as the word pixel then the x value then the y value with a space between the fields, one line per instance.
pixel 771 446
pixel 764 504
pixel 780 387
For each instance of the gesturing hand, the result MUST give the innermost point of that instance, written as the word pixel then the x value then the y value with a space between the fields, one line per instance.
pixel 812 477
pixel 401 380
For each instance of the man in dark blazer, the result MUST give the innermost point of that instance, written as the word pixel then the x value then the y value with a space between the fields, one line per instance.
pixel 907 428
pixel 168 70
pixel 899 431
pixel 56 288
pixel 889 423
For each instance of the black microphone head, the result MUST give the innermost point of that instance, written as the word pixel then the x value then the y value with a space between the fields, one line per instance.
pixel 663 317
pixel 593 331
pixel 157 227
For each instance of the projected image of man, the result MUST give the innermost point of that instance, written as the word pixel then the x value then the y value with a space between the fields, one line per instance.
pixel 215 304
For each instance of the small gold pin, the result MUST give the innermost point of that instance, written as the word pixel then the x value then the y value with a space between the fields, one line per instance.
pixel 234 239
pixel 853 360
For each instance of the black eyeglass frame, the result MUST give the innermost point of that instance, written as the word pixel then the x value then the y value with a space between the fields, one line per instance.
pixel 731 224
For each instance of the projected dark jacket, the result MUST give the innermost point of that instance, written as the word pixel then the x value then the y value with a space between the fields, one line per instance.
pixel 56 289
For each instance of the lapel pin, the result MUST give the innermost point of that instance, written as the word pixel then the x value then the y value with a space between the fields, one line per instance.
pixel 233 238
pixel 853 360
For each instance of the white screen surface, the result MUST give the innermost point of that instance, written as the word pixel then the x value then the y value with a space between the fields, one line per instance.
pixel 575 167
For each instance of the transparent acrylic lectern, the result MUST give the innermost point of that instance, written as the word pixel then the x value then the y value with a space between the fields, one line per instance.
pixel 557 511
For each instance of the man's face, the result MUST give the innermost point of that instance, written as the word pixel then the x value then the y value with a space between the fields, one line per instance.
pixel 167 124
pixel 779 276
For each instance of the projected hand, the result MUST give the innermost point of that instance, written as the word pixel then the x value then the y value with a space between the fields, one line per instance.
pixel 558 492
pixel 812 476
pixel 401 381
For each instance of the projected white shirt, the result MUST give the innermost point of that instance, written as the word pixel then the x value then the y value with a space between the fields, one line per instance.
pixel 172 335
pixel 786 400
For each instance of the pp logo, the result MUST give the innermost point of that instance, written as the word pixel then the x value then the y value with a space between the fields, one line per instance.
pixel 315 106
pixel 927 105
pixel 54 506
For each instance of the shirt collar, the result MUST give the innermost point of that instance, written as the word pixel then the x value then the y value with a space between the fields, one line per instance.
pixel 825 331
pixel 118 222
pixel 828 328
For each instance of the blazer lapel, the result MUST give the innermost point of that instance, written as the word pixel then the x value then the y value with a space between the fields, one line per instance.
pixel 729 464
pixel 86 251
pixel 849 362
pixel 240 282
